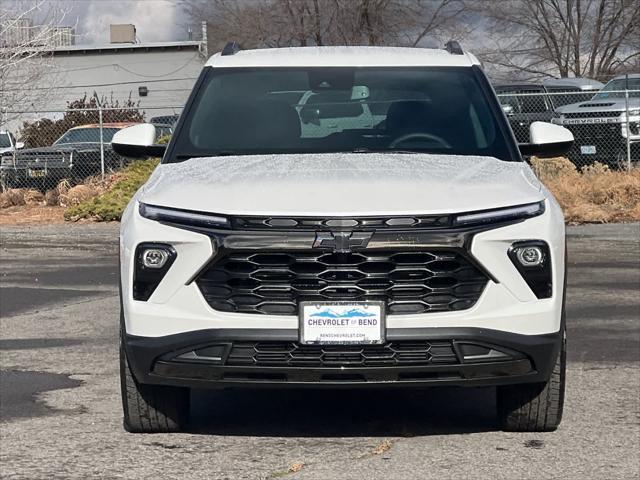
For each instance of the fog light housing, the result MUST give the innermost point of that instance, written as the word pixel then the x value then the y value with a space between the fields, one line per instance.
pixel 530 256
pixel 152 262
pixel 532 259
pixel 154 257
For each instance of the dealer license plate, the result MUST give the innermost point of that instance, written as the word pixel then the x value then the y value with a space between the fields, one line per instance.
pixel 36 173
pixel 342 323
pixel 588 149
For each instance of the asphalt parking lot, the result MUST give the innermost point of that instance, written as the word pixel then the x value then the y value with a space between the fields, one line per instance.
pixel 60 412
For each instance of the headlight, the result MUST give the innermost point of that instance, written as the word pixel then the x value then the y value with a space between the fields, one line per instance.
pixel 182 217
pixel 501 214
pixel 634 112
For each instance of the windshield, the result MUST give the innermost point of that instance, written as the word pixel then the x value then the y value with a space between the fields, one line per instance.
pixel 615 89
pixel 244 111
pixel 524 100
pixel 5 142
pixel 86 135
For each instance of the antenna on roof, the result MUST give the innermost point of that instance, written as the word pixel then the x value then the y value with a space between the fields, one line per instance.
pixel 453 48
pixel 231 48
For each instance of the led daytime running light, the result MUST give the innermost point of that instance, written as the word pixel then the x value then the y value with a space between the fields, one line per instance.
pixel 522 211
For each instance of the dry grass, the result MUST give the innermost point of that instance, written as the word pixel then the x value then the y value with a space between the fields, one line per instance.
pixel 63 195
pixel 593 194
pixel 12 198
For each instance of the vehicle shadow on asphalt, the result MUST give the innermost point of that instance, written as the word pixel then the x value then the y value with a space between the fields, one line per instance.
pixel 343 413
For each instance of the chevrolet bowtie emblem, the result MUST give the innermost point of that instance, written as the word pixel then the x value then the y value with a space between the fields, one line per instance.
pixel 342 242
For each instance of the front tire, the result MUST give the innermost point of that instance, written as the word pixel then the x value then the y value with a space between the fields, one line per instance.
pixel 151 408
pixel 534 407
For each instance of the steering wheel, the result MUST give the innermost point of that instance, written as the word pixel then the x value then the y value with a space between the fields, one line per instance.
pixel 411 136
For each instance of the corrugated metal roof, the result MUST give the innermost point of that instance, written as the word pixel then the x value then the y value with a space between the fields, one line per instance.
pixel 113 47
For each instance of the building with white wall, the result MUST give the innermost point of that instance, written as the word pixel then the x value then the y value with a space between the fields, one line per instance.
pixel 163 72
pixel 167 70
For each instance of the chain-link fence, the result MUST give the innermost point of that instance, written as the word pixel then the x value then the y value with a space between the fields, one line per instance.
pixel 605 125
pixel 46 147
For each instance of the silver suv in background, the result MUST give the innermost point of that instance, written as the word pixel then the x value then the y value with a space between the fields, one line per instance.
pixel 602 124
pixel 564 91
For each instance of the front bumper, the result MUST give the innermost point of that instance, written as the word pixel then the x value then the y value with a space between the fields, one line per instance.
pixel 508 318
pixel 26 175
pixel 508 359
pixel 608 139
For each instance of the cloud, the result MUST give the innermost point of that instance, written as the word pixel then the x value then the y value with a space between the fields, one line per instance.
pixel 155 20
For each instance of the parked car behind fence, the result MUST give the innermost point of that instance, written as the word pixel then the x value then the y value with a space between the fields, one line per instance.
pixel 77 153
pixel 599 123
pixel 606 127
pixel 577 89
pixel 523 104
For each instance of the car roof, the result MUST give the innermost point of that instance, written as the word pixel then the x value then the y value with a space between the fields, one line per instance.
pixel 106 125
pixel 581 83
pixel 516 86
pixel 343 57
pixel 631 75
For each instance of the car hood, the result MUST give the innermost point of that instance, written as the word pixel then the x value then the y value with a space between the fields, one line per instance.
pixel 65 147
pixel 600 105
pixel 341 184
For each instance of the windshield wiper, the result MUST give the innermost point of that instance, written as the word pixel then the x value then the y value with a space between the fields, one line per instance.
pixel 219 153
pixel 383 150
pixel 225 153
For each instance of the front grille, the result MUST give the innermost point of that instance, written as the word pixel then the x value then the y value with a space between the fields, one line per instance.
pixel 293 354
pixel 592 114
pixel 35 159
pixel 408 282
pixel 607 132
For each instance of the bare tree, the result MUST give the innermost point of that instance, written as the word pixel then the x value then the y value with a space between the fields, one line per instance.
pixel 25 53
pixel 277 23
pixel 582 38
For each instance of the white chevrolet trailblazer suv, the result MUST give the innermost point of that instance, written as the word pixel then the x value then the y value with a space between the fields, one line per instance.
pixel 342 216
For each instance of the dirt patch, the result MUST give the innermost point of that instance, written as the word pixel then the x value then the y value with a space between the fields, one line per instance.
pixel 31 215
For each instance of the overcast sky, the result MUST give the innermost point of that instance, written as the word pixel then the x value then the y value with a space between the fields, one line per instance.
pixel 155 20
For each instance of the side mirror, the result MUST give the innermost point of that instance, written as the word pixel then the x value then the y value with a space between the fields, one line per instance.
pixel 137 141
pixel 310 115
pixel 547 140
pixel 359 92
pixel 19 145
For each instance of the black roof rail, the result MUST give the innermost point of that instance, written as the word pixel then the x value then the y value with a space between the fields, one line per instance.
pixel 453 48
pixel 231 48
